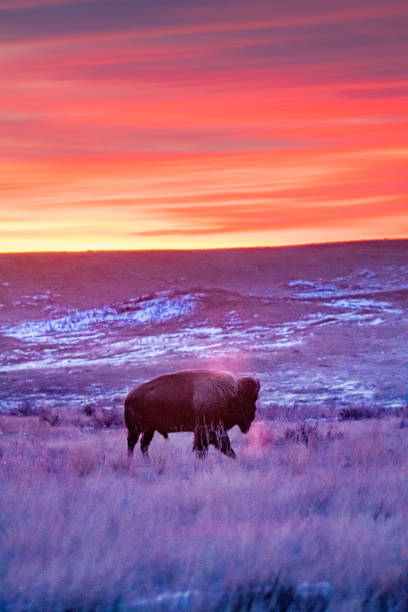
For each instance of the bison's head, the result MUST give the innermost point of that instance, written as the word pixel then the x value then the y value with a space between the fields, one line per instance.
pixel 248 394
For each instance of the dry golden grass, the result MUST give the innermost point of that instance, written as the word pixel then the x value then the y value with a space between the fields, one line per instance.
pixel 306 518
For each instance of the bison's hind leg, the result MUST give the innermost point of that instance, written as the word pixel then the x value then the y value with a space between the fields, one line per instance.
pixel 132 439
pixel 200 445
pixel 146 438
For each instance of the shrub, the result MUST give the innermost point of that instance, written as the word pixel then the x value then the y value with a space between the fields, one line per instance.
pixel 304 433
pixel 52 418
pixel 89 409
pixel 24 409
pixel 103 418
pixel 355 414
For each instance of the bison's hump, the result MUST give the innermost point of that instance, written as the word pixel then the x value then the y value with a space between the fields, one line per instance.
pixel 190 378
pixel 214 391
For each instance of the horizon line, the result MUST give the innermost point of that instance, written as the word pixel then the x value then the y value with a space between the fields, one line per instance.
pixel 235 248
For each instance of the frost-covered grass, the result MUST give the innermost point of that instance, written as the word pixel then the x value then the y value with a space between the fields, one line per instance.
pixel 78 340
pixel 302 515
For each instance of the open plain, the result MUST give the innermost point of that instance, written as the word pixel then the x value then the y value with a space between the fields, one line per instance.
pixel 312 513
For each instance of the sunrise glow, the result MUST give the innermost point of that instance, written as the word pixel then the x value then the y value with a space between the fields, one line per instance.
pixel 140 125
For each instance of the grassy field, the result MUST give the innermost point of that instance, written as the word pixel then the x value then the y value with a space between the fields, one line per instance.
pixel 306 518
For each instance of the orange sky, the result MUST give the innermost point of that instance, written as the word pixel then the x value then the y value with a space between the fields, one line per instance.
pixel 127 126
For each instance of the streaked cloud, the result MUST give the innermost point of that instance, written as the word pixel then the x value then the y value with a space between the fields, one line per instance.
pixel 201 121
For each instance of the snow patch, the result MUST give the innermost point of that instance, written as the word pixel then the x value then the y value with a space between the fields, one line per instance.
pixel 151 310
pixel 41 297
pixel 388 278
pixel 362 304
pixel 177 600
pixel 35 300
pixel 75 340
pixel 314 289
pixel 301 283
pixel 322 391
pixel 367 273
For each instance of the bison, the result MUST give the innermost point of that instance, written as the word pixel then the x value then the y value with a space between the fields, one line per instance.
pixel 206 402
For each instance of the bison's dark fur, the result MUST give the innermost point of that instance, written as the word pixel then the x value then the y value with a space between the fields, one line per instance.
pixel 207 402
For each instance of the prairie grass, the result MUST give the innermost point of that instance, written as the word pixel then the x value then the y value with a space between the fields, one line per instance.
pixel 309 520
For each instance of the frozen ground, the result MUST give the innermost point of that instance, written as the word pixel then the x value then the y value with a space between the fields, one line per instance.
pixel 322 327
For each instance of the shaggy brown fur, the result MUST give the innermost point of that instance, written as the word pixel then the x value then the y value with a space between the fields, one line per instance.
pixel 206 402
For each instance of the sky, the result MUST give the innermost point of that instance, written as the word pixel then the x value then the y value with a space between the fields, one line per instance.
pixel 153 124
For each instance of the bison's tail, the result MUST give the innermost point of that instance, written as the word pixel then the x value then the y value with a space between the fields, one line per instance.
pixel 128 404
pixel 131 413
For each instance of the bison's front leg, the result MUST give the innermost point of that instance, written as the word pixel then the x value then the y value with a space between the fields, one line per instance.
pixel 200 446
pixel 146 438
pixel 226 447
pixel 219 438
